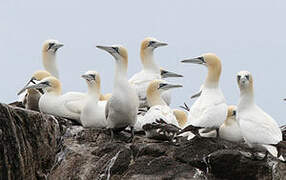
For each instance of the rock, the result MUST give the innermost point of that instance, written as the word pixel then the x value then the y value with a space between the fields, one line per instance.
pixel 40 146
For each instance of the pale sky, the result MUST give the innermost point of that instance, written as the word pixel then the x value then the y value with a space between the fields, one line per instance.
pixel 246 35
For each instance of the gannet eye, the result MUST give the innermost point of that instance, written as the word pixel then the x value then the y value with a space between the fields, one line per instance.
pixel 51 45
pixel 234 113
pixel 247 77
pixel 46 83
pixel 92 75
pixel 162 85
pixel 238 77
pixel 151 43
pixel 116 49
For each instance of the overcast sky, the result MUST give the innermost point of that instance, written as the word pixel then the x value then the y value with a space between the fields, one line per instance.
pixel 246 35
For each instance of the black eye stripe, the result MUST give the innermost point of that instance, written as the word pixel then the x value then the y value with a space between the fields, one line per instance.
pixel 247 77
pixel 51 45
pixel 116 49
pixel 238 77
pixel 234 113
pixel 162 85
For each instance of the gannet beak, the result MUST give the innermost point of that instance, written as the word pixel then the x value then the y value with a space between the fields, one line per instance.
pixel 107 48
pixel 166 86
pixel 41 85
pixel 196 94
pixel 159 44
pixel 59 45
pixel 32 80
pixel 197 60
pixel 88 77
pixel 166 74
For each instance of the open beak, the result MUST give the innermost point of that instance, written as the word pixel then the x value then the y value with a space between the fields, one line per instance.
pixel 197 60
pixel 166 86
pixel 87 77
pixel 106 48
pixel 166 74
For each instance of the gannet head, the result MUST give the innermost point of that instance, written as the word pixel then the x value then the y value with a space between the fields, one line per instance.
pixel 51 46
pixel 92 79
pixel 118 52
pixel 212 62
pixel 181 117
pixel 37 76
pixel 49 84
pixel 146 51
pixel 155 89
pixel 149 44
pixel 231 114
pixel 244 80
pixel 166 74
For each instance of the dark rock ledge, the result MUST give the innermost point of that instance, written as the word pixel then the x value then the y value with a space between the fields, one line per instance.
pixel 39 146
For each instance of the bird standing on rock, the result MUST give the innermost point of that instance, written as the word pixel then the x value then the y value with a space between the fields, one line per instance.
pixel 121 109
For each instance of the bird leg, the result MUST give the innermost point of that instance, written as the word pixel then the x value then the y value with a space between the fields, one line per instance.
pixel 132 134
pixel 111 134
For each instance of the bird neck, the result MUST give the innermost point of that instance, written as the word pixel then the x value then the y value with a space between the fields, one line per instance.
pixel 154 98
pixel 49 63
pixel 213 76
pixel 148 62
pixel 93 90
pixel 246 96
pixel 120 73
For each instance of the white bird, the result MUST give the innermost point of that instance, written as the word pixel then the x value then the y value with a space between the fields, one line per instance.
pixel 159 109
pixel 49 52
pixel 68 105
pixel 121 109
pixel 93 112
pixel 30 97
pixel 210 109
pixel 230 129
pixel 150 71
pixel 257 127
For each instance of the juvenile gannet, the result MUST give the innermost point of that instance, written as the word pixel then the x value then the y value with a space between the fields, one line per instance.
pixel 159 109
pixel 181 117
pixel 53 102
pixel 230 129
pixel 93 113
pixel 31 97
pixel 121 109
pixel 150 70
pixel 49 50
pixel 257 127
pixel 210 109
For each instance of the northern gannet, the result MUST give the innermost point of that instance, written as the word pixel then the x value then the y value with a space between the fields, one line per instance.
pixel 159 109
pixel 121 109
pixel 31 97
pixel 181 117
pixel 93 112
pixel 53 102
pixel 257 127
pixel 49 50
pixel 230 129
pixel 150 70
pixel 210 109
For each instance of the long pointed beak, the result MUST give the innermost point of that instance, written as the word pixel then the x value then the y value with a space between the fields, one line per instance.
pixel 166 74
pixel 34 86
pixel 106 48
pixel 159 44
pixel 197 60
pixel 32 80
pixel 196 94
pixel 87 77
pixel 169 86
pixel 59 45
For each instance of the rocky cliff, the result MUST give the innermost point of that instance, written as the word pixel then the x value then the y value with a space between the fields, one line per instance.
pixel 39 146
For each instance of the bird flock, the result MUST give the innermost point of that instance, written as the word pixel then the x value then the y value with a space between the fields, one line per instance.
pixel 145 98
